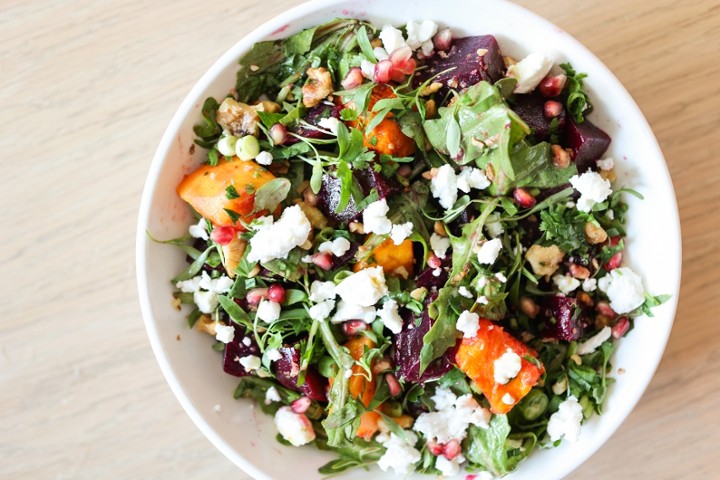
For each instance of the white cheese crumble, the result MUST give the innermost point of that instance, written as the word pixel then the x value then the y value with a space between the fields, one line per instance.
pixel 375 219
pixel 419 33
pixel 453 417
pixel 250 362
pixel 566 421
pixel 275 240
pixel 390 316
pixel 506 367
pixel 264 158
pixel 322 310
pixel 624 289
pixel 443 186
pixel 246 341
pixel 489 251
pixel 399 233
pixel 320 291
pixel 392 38
pixel 593 189
pixel 368 68
pixel 272 395
pixel 594 342
pixel 400 454
pixel 465 292
pixel 199 230
pixel 494 226
pixel 606 163
pixel 439 245
pixel 508 399
pixel 268 311
pixel 206 302
pixel 565 284
pixel 224 333
pixel 337 247
pixel 363 288
pixel 351 311
pixel 589 285
pixel 468 323
pixel 294 427
pixel 449 468
pixel 329 123
pixel 482 300
pixel 471 177
pixel 530 71
pixel 501 277
pixel 273 355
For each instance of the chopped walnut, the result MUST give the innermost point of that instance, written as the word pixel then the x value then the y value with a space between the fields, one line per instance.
pixel 608 175
pixel 430 89
pixel 561 156
pixel 266 106
pixel 594 234
pixel 318 86
pixel 232 254
pixel 238 118
pixel 206 324
pixel 544 260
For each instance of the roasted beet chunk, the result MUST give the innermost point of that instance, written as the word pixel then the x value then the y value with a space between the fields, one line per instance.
pixel 236 350
pixel 427 278
pixel 313 117
pixel 587 141
pixel 469 61
pixel 287 370
pixel 531 109
pixel 408 344
pixel 564 319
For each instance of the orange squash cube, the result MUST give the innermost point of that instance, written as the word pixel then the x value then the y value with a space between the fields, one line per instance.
pixel 394 259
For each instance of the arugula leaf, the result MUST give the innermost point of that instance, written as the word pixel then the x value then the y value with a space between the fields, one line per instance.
pixel 364 44
pixel 443 334
pixel 359 453
pixel 492 448
pixel 271 194
pixel 256 388
pixel 270 119
pixel 463 247
pixel 577 101
pixel 234 311
pixel 359 96
pixel 533 166
pixel 208 131
pixel 290 268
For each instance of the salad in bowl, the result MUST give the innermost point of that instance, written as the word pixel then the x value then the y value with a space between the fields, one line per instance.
pixel 408 247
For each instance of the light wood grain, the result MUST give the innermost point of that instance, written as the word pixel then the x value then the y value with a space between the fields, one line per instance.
pixel 86 90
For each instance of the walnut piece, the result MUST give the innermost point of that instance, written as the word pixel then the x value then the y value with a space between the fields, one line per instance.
pixel 594 234
pixel 238 118
pixel 544 260
pixel 232 254
pixel 318 86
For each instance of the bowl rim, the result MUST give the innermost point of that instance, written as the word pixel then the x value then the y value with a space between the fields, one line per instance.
pixel 273 25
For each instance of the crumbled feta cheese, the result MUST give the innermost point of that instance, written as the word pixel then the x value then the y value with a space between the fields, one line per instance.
pixel 273 355
pixel 443 186
pixel 199 230
pixel 294 427
pixel 472 178
pixel 275 240
pixel 589 285
pixel 506 367
pixel 367 68
pixel 250 362
pixel 206 302
pixel 453 417
pixel 530 71
pixel 439 245
pixel 449 468
pixel 399 454
pixel 392 38
pixel 375 219
pixel 320 291
pixel 482 281
pixel 351 311
pixel 268 311
pixel 566 421
pixel 565 283
pixel 489 251
pixel 224 333
pixel 437 272
pixel 390 316
pixel 482 300
pixel 606 163
pixel 624 289
pixel 190 285
pixel 264 158
pixel 246 341
pixel 465 292
pixel 501 277
pixel 399 233
pixel 321 311
pixel 593 189
pixel 610 214
pixel 508 399
pixel 272 395
pixel 475 414
pixel 493 225
pixel 337 247
pixel 594 342
pixel 443 398
pixel 468 323
pixel 329 123
pixel 427 48
pixel 420 32
pixel 222 284
pixel 380 54
pixel 363 288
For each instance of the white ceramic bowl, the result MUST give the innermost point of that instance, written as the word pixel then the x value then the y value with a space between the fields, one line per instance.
pixel 193 370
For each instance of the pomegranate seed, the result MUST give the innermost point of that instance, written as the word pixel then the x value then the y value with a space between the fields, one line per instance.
pixel 301 405
pixel 621 327
pixel 276 293
pixel 323 260
pixel 604 308
pixel 578 271
pixel 452 449
pixel 278 134
pixel 403 63
pixel 615 240
pixel 435 448
pixel 382 71
pixel 354 78
pixel 614 262
pixel 255 295
pixel 433 261
pixel 552 109
pixel 222 235
pixel 393 385
pixel 552 85
pixel 442 40
pixel 524 198
pixel 353 327
pixel 470 477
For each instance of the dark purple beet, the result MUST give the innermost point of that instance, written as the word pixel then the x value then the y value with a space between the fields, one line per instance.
pixel 531 108
pixel 467 216
pixel 313 117
pixel 408 344
pixel 532 233
pixel 562 322
pixel 236 350
pixel 587 141
pixel 426 278
pixel 467 67
pixel 287 369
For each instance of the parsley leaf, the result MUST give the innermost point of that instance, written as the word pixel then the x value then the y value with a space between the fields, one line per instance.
pixel 564 227
pixel 577 101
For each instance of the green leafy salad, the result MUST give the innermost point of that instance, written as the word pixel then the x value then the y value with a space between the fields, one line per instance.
pixel 409 247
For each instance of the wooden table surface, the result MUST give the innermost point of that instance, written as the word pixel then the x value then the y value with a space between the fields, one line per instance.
pixel 87 89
